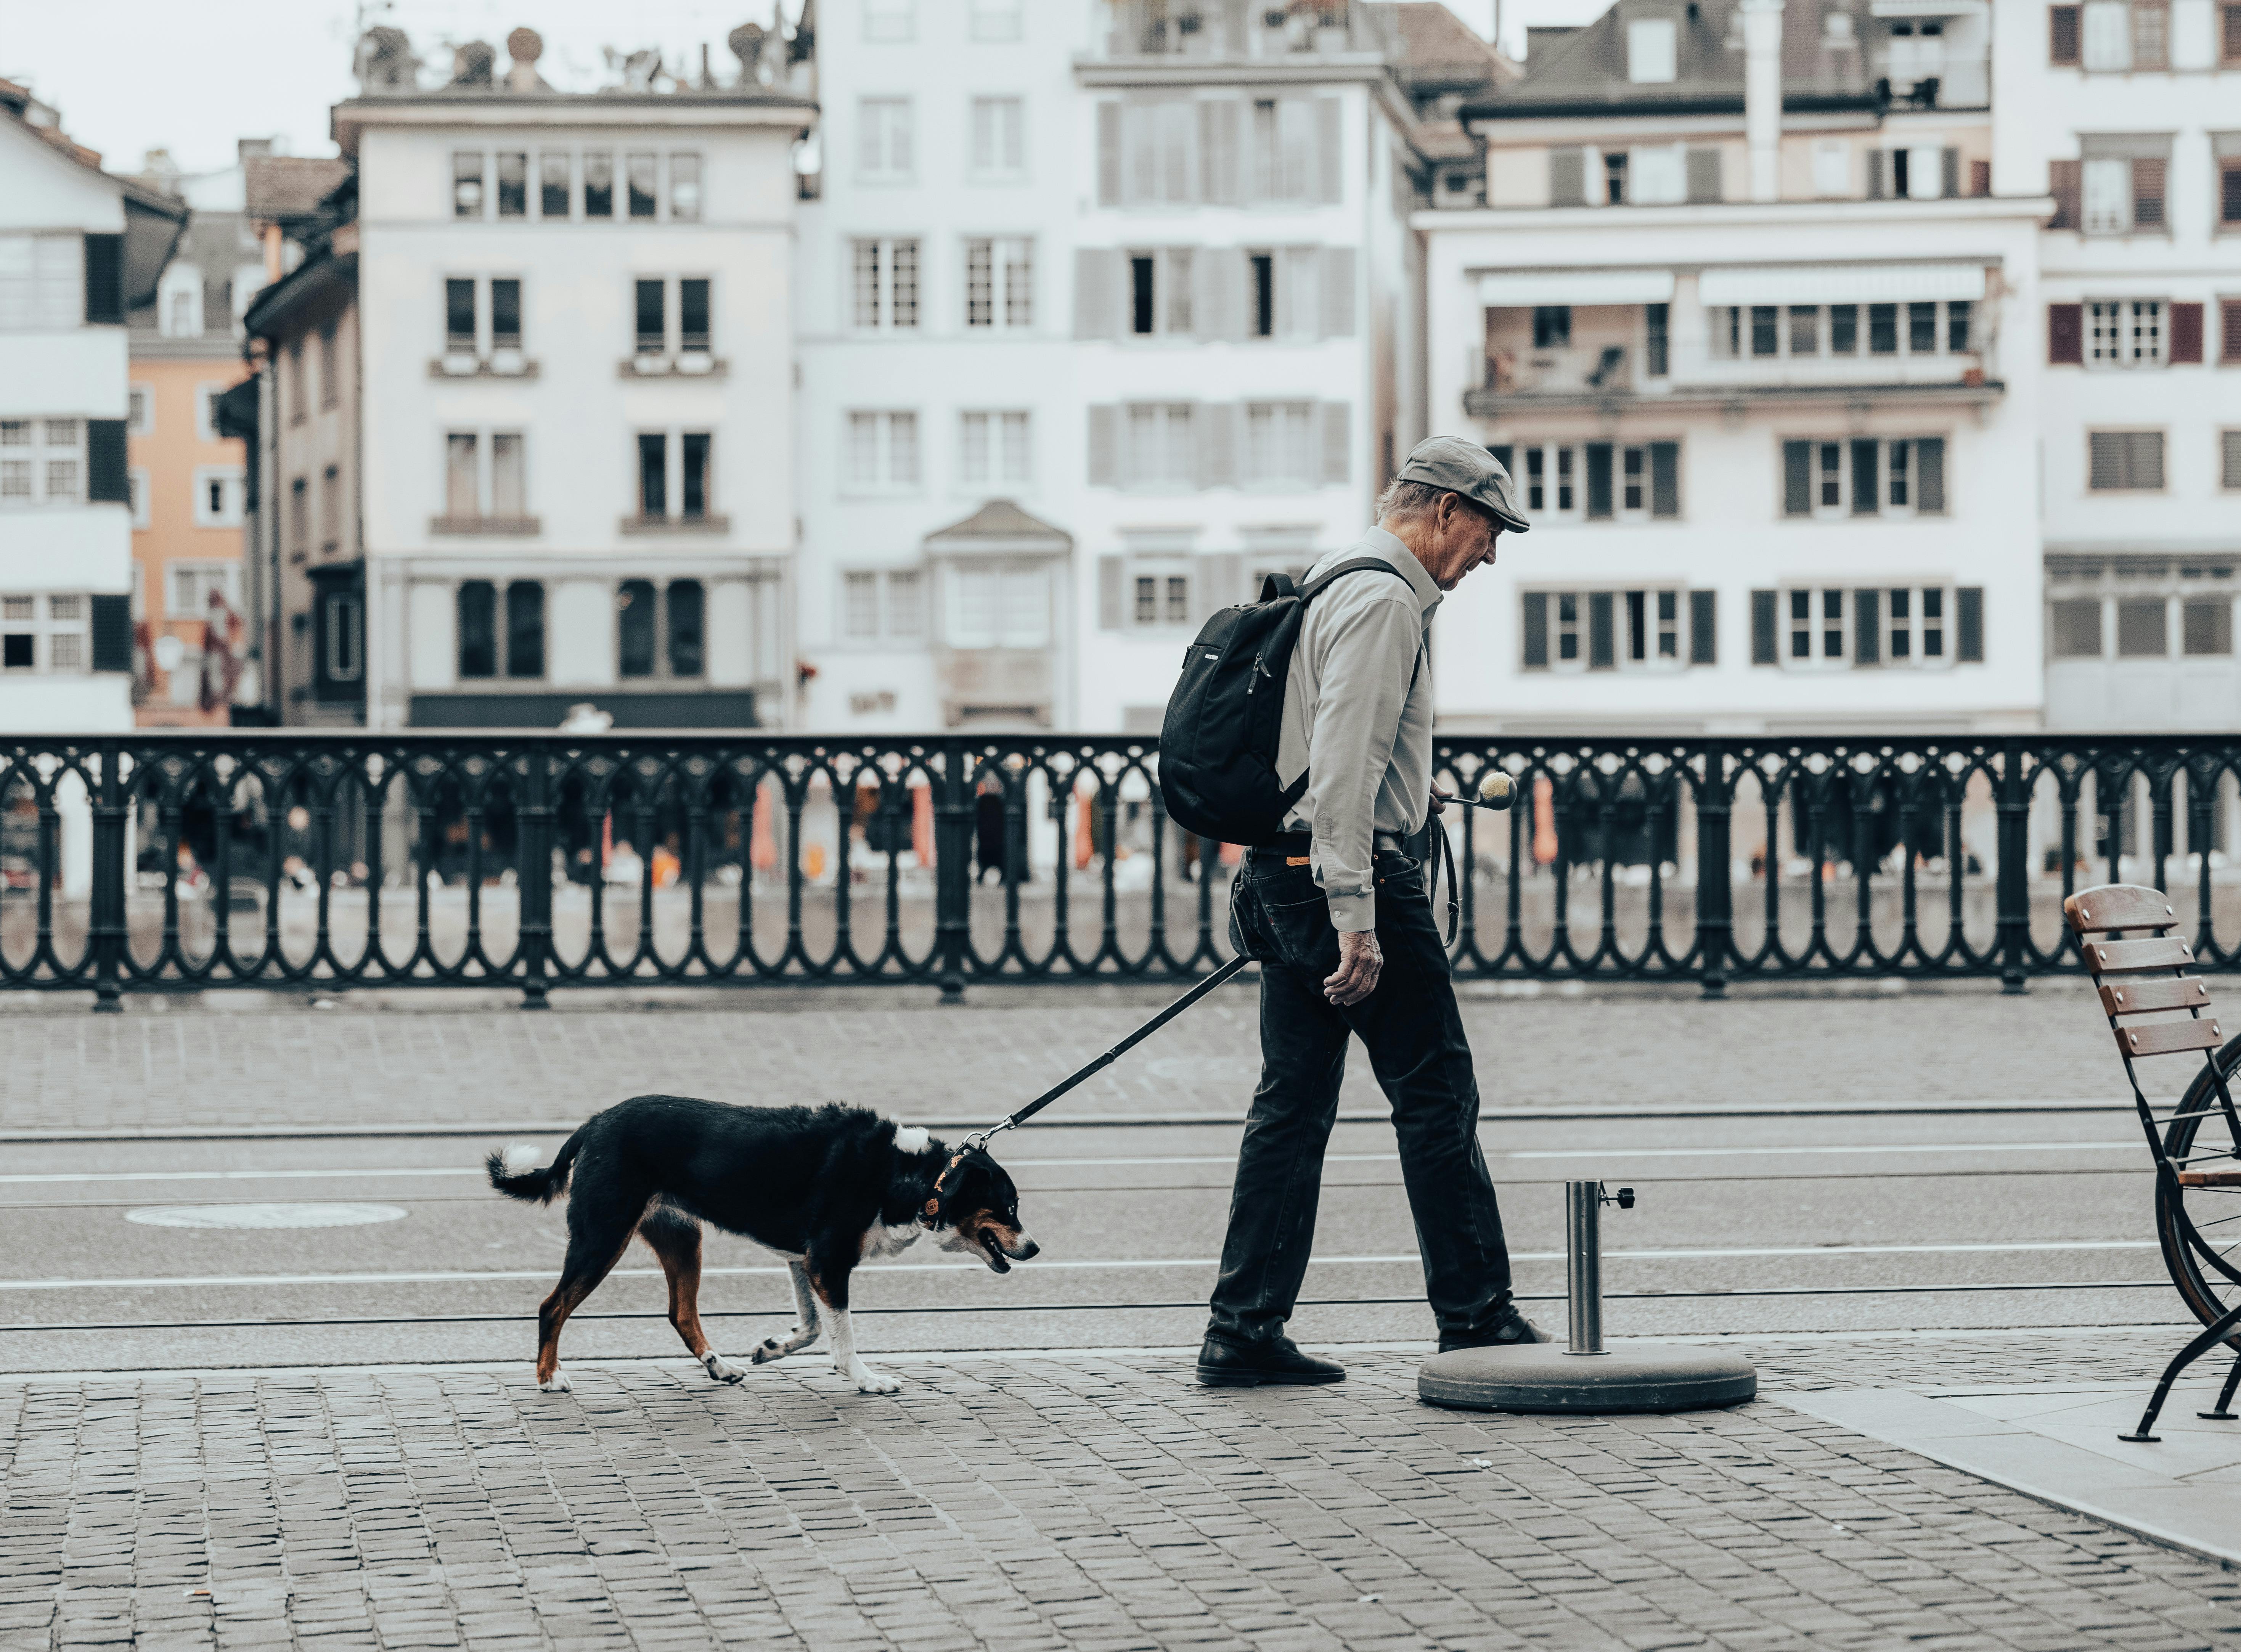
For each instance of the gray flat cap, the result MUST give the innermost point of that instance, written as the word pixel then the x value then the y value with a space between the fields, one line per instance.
pixel 1464 467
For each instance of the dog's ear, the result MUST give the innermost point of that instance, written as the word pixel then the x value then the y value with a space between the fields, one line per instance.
pixel 956 1181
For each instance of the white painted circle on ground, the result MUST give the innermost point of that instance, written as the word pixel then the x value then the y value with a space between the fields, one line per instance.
pixel 304 1215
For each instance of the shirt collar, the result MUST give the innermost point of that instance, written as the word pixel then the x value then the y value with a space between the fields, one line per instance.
pixel 1378 543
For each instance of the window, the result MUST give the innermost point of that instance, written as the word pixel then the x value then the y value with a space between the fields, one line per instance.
pixel 485 649
pixel 1656 334
pixel 685 188
pixel 219 495
pixel 1658 175
pixel 2061 46
pixel 2228 455
pixel 505 314
pixel 136 490
pixel 330 373
pixel 525 629
pixel 1550 479
pixel 513 184
pixel 1552 326
pixel 885 284
pixel 45 633
pixel 2108 35
pixel 2122 182
pixel 1159 292
pixel 1651 49
pixel 997 19
pixel 484 480
pixel 179 303
pixel 477 606
pixel 1614 176
pixel 1865 476
pixel 139 410
pixel 2140 626
pixel 2127 332
pixel 462 475
pixel 1281 160
pixel 2074 629
pixel 653 476
pixel 999 282
pixel 882 455
pixel 639 168
pixel 42 283
pixel 2122 460
pixel 300 516
pixel 991 450
pixel 878 606
pixel 599 185
pixel 694 496
pixel 1160 598
pixel 2206 626
pixel 466 184
pixel 292 364
pixel 650 308
pixel 1160 452
pixel 1811 331
pixel 330 507
pixel 459 316
pixel 42 461
pixel 999 606
pixel 890 20
pixel 343 633
pixel 552 184
pixel 1261 274
pixel 1280 444
pixel 884 140
pixel 693 334
pixel 189 587
pixel 1832 167
pixel 1648 629
pixel 1876 626
pixel 999 140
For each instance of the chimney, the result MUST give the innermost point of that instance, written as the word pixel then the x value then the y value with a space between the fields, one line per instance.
pixel 1761 22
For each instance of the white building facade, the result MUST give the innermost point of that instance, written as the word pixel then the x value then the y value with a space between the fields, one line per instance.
pixel 2128 115
pixel 577 436
pixel 1762 351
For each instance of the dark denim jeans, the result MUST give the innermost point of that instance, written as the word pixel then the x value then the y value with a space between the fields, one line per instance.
pixel 1414 1036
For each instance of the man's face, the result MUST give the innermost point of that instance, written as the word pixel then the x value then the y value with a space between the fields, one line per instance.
pixel 1465 538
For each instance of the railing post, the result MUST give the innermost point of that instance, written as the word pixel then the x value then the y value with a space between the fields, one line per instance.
pixel 106 909
pixel 2012 888
pixel 532 853
pixel 953 881
pixel 1716 901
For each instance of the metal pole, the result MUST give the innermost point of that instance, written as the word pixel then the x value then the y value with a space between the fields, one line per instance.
pixel 1583 1270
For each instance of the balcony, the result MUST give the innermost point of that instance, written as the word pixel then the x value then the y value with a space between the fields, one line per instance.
pixel 1228 30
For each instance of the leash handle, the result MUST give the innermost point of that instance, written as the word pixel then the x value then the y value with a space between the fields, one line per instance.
pixel 1118 1050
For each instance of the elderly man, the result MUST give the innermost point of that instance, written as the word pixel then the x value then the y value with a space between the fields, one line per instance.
pixel 1338 915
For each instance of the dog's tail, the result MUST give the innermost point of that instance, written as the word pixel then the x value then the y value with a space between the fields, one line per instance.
pixel 529 1184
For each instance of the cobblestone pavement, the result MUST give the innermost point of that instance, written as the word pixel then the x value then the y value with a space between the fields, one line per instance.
pixel 228 1065
pixel 1083 1501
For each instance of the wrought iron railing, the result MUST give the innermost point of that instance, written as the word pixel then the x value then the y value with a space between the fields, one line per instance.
pixel 233 857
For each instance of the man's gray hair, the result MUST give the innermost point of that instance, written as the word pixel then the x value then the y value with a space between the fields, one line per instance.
pixel 1404 499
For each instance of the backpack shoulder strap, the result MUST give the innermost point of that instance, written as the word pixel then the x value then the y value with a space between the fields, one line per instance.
pixel 1274 586
pixel 1313 587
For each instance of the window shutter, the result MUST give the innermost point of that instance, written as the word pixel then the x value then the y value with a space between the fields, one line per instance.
pixel 1971 643
pixel 2229 331
pixel 2061 35
pixel 1704 628
pixel 1330 180
pixel 1703 174
pixel 1875 159
pixel 1949 173
pixel 2104 460
pixel 1980 178
pixel 2063 183
pixel 1217 145
pixel 1568 177
pixel 1602 651
pixel 2148 192
pixel 1096 292
pixel 1215 426
pixel 2066 335
pixel 1108 153
pixel 1537 630
pixel 2143 458
pixel 106 479
pixel 104 279
pixel 2228 41
pixel 1797 478
pixel 1216 586
pixel 1505 455
pixel 111 619
pixel 2229 446
pixel 1338 292
pixel 1599 480
pixel 1230 270
pixel 1103 446
pixel 1930 476
pixel 1338 427
pixel 2228 191
pixel 1763 629
pixel 1665 478
pixel 1108 592
pixel 1867 622
pixel 1210 316
pixel 1866 480
pixel 2186 335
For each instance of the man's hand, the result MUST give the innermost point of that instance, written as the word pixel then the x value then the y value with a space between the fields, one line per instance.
pixel 1360 963
pixel 1441 800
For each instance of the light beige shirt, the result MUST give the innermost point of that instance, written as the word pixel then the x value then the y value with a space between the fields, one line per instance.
pixel 1358 719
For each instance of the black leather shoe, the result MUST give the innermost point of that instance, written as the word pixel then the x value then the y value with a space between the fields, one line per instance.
pixel 1512 1328
pixel 1230 1365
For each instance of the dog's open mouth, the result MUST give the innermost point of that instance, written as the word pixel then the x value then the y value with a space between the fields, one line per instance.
pixel 997 1261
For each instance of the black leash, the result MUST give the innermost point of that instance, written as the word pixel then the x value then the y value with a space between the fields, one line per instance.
pixel 981 1138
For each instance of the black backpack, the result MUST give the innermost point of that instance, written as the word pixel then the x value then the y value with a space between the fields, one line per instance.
pixel 1218 746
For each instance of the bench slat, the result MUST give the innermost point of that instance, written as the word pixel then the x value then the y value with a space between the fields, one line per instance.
pixel 2119 905
pixel 2128 997
pixel 2168 1037
pixel 2113 957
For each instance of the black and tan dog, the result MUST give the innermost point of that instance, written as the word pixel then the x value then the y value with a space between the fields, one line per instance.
pixel 826 1187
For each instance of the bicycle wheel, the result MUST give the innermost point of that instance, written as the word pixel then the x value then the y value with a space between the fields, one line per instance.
pixel 2207 1271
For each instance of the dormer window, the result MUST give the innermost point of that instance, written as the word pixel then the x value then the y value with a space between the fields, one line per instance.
pixel 1652 50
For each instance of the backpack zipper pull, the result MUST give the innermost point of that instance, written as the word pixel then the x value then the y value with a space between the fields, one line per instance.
pixel 1259 670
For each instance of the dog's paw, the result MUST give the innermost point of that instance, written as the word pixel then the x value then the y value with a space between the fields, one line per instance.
pixel 558 1383
pixel 766 1350
pixel 722 1370
pixel 870 1382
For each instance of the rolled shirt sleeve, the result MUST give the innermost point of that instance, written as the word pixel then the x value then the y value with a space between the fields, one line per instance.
pixel 1363 678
